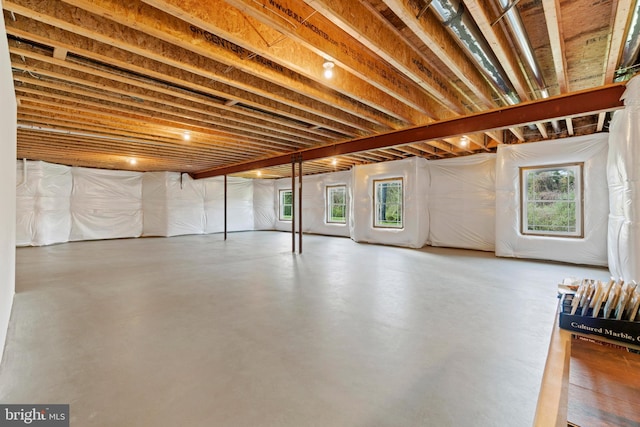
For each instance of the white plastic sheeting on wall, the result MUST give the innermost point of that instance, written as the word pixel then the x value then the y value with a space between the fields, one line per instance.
pixel 592 248
pixel 415 176
pixel 57 204
pixel 315 203
pixel 623 173
pixel 105 204
pixel 264 207
pixel 283 185
pixel 239 204
pixel 462 202
pixel 214 204
pixel 173 204
pixel 43 203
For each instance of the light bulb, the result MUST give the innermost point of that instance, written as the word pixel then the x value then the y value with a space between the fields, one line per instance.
pixel 328 69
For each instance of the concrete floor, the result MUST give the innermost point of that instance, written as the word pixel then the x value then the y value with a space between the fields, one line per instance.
pixel 195 331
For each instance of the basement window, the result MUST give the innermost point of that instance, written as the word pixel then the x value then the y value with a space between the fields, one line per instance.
pixel 337 204
pixel 286 205
pixel 551 201
pixel 387 203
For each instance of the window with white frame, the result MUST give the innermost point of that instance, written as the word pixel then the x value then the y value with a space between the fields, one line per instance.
pixel 337 204
pixel 551 202
pixel 387 203
pixel 286 205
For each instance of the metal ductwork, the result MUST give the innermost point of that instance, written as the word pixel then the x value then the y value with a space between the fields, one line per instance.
pixel 469 37
pixel 632 43
pixel 521 38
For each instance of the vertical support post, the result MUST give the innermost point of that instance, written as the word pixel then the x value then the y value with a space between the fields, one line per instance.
pixel 293 204
pixel 300 203
pixel 225 207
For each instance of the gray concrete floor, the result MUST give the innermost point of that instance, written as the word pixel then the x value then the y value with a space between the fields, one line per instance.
pixel 195 331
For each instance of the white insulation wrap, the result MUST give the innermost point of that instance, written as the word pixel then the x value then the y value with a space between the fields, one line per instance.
pixel 314 203
pixel 623 174
pixel 239 204
pixel 462 202
pixel 43 209
pixel 173 204
pixel 264 207
pixel 105 204
pixel 510 242
pixel 214 204
pixel 415 177
pixel 279 185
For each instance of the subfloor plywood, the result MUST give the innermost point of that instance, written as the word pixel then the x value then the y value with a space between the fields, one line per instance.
pixel 193 330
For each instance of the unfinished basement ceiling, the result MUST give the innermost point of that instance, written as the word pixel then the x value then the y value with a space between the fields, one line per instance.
pixel 104 83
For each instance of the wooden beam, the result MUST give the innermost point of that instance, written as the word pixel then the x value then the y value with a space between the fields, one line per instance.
pixel 556 38
pixel 542 128
pixel 362 22
pixel 175 102
pixel 110 34
pixel 300 22
pixel 569 123
pixel 421 146
pixel 601 118
pixel 378 86
pixel 104 79
pixel 479 140
pixel 496 136
pixel 518 132
pixel 127 109
pixel 156 109
pixel 605 98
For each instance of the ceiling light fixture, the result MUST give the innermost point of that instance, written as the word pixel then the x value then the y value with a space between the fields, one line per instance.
pixel 186 136
pixel 334 162
pixel 133 161
pixel 259 173
pixel 328 69
pixel 464 141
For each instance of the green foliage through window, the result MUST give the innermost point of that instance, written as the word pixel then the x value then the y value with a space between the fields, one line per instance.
pixel 337 204
pixel 286 205
pixel 388 203
pixel 552 200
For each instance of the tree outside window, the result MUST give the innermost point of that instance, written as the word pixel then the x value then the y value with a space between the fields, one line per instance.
pixel 552 200
pixel 388 203
pixel 337 204
pixel 286 205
